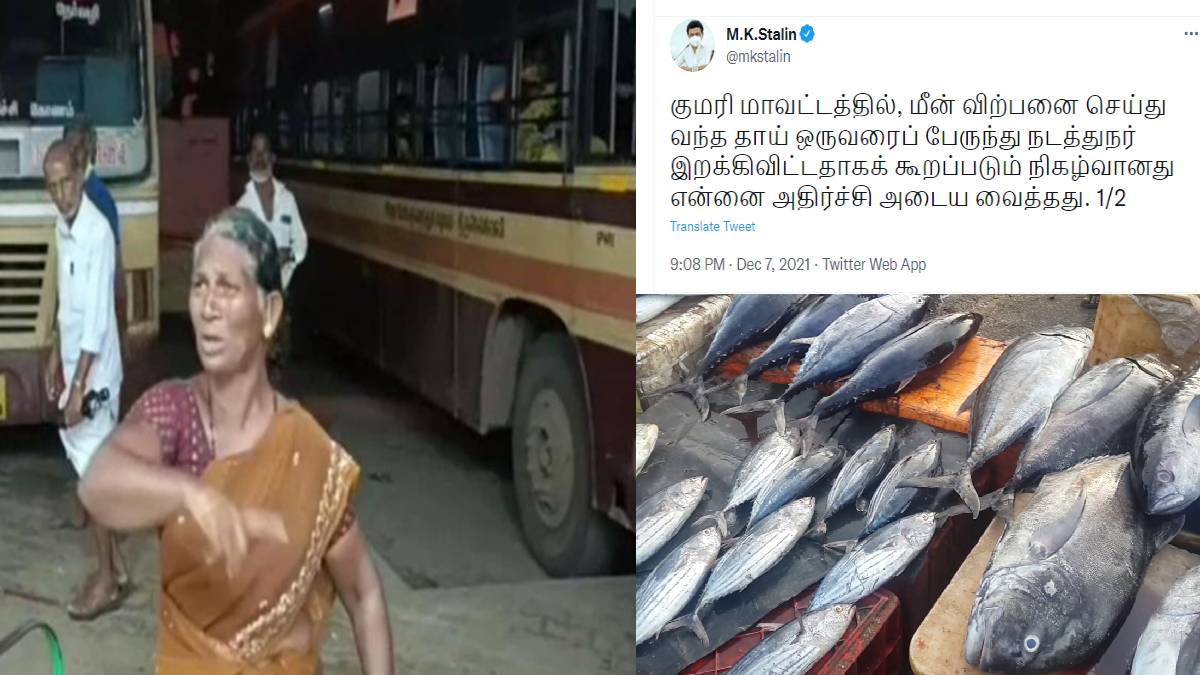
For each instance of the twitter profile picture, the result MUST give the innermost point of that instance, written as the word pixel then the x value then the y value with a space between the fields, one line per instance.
pixel 692 45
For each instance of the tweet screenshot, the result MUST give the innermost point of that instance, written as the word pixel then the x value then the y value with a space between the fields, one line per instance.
pixel 917 338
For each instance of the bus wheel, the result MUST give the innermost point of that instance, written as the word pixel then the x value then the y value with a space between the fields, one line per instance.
pixel 552 470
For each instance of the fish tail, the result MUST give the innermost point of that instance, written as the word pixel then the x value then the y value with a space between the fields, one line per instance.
pixel 697 627
pixel 966 490
pixel 756 407
pixel 818 531
pixel 808 433
pixel 739 386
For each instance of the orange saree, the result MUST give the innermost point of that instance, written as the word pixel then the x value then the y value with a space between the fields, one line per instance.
pixel 272 617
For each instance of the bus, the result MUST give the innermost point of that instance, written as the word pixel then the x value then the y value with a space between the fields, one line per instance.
pixel 59 60
pixel 465 173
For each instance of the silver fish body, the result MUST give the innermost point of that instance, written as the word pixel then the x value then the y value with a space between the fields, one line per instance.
pixel 645 436
pixel 1166 454
pixel 662 515
pixel 792 480
pixel 1065 572
pixel 1175 621
pixel 862 469
pixel 664 593
pixel 1096 415
pixel 758 550
pixel 875 560
pixel 772 452
pixel 798 645
pixel 890 499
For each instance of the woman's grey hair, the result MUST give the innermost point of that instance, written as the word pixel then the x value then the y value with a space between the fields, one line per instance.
pixel 246 230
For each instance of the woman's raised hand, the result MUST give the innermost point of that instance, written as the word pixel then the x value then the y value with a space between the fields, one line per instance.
pixel 230 528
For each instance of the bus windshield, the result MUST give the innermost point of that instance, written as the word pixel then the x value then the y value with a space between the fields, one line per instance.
pixel 62 58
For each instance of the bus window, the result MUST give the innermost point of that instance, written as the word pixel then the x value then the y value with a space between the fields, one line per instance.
pixel 298 130
pixel 342 119
pixel 371 109
pixel 613 91
pixel 487 116
pixel 544 86
pixel 403 117
pixel 320 118
pixel 441 86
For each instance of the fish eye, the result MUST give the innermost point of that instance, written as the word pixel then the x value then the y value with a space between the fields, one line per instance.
pixel 1165 476
pixel 1032 643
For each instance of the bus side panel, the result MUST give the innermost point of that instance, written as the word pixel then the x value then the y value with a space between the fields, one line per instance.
pixel 610 374
pixel 417 317
pixel 338 298
pixel 472 316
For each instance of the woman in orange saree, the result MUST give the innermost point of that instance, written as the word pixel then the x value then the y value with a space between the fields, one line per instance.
pixel 252 499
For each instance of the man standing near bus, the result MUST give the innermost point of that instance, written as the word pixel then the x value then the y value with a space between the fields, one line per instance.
pixel 86 353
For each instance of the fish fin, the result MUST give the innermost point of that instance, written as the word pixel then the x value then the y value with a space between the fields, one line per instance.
pixel 739 387
pixel 756 407
pixel 969 402
pixel 939 482
pixel 689 621
pixel 808 431
pixel 728 543
pixel 966 490
pixel 818 531
pixel 861 504
pixel 900 387
pixel 948 513
pixel 992 499
pixel 842 546
pixel 804 341
pixel 780 417
pixel 1051 537
pixel 1191 419
pixel 1188 661
pixel 1166 530
pixel 769 627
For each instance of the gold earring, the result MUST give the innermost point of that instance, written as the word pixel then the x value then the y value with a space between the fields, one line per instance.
pixel 267 332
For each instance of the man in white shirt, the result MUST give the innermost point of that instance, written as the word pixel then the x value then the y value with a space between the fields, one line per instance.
pixel 275 205
pixel 695 56
pixel 87 352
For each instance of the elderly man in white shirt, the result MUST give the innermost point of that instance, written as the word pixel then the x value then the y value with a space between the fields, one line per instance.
pixel 275 205
pixel 695 56
pixel 87 355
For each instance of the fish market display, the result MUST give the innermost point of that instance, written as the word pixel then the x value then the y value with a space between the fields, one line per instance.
pixel 897 362
pixel 1065 572
pixel 1172 637
pixel 650 306
pixel 861 471
pixel 645 436
pixel 1166 454
pixel 841 347
pixel 661 516
pixel 875 560
pixel 1016 396
pixel 760 465
pixel 1096 415
pixel 809 323
pixel 754 553
pixel 794 479
pixel 668 589
pixel 891 498
pixel 799 644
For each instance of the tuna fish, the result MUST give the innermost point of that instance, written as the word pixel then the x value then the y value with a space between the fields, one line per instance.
pixel 664 593
pixel 799 644
pixel 662 515
pixel 650 306
pixel 645 437
pixel 841 347
pixel 1172 637
pixel 1065 572
pixel 897 362
pixel 754 553
pixel 891 499
pixel 1015 399
pixel 750 319
pixel 1166 454
pixel 772 452
pixel 794 479
pixel 861 471
pixel 1095 415
pixel 809 323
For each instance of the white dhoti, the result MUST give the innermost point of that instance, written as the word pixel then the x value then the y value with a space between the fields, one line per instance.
pixel 83 440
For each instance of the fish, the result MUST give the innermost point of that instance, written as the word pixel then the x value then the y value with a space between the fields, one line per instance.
pixel 1014 399
pixel 889 369
pixel 662 515
pixel 861 471
pixel 1166 454
pixel 755 552
pixel 650 306
pixel 841 347
pixel 891 498
pixel 645 436
pixel 1170 642
pixel 673 583
pixel 875 560
pixel 809 323
pixel 1065 572
pixel 794 479
pixel 1096 415
pixel 799 644
pixel 749 319
pixel 772 452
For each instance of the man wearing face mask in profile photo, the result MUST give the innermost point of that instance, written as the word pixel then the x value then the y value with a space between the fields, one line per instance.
pixel 694 55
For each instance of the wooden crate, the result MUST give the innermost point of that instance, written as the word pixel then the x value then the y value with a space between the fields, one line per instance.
pixel 677 336
pixel 933 398
pixel 1125 329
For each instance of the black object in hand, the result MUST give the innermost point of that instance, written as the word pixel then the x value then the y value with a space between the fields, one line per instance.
pixel 92 400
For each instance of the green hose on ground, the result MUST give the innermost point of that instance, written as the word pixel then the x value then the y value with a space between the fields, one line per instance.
pixel 56 657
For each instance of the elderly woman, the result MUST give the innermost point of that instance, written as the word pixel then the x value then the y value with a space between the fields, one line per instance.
pixel 251 498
